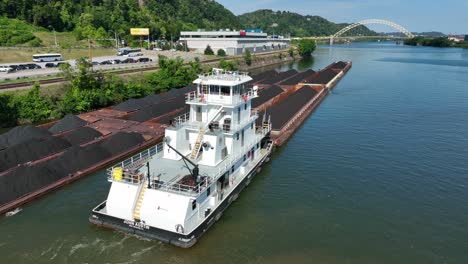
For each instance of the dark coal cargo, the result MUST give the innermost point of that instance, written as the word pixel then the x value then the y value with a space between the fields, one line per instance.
pixel 82 135
pixel 21 134
pixel 69 122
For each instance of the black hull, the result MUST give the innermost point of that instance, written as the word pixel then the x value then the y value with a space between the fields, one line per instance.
pixel 180 240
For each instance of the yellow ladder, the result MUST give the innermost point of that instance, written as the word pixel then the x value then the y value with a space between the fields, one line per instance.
pixel 141 196
pixel 198 143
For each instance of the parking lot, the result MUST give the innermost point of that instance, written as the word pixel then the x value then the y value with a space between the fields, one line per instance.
pixel 37 69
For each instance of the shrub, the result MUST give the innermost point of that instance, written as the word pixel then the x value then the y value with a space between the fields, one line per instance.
pixel 221 53
pixel 208 50
pixel 248 57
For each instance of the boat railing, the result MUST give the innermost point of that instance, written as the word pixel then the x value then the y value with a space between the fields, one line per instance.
pixel 183 189
pixel 235 99
pixel 182 119
pixel 135 162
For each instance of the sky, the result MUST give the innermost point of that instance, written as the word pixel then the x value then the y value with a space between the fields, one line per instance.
pixel 448 16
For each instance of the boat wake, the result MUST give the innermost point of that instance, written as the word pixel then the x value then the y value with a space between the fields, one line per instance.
pixel 12 213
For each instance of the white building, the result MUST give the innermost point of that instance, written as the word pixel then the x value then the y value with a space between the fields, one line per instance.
pixel 233 42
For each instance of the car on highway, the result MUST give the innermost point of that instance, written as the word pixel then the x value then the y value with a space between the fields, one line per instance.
pixel 144 60
pixel 6 68
pixel 158 49
pixel 129 60
pixel 22 67
pixel 33 66
pixel 50 65
pixel 115 61
pixel 106 62
pixel 94 63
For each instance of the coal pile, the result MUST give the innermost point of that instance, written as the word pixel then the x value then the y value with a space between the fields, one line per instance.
pixel 279 77
pixel 31 150
pixel 156 110
pixel 263 75
pixel 22 181
pixel 21 134
pixel 298 78
pixel 265 95
pixel 339 65
pixel 323 77
pixel 121 142
pixel 284 111
pixel 167 118
pixel 152 99
pixel 77 158
pixel 26 179
pixel 81 135
pixel 67 123
pixel 130 105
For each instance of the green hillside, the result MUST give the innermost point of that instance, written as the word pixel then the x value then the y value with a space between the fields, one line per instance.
pixel 284 22
pixel 94 19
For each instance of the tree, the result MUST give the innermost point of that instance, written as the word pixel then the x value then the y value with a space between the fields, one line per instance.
pixel 248 57
pixel 8 110
pixel 221 53
pixel 227 65
pixel 208 50
pixel 306 47
pixel 34 107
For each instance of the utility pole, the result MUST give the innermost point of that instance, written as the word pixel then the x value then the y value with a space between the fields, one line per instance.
pixel 55 35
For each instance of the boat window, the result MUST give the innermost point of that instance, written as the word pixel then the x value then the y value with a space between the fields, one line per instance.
pixel 214 89
pixel 208 191
pixel 237 136
pixel 245 157
pixel 232 169
pixel 225 90
pixel 194 204
pixel 251 125
pixel 245 106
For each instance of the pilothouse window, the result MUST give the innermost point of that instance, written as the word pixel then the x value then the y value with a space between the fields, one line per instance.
pixel 225 90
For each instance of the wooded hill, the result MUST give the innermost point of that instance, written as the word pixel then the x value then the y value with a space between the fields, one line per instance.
pixel 99 19
pixel 94 18
pixel 284 22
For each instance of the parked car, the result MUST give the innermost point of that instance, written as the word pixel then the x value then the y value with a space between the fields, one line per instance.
pixel 129 60
pixel 22 67
pixel 106 62
pixel 115 61
pixel 6 68
pixel 95 63
pixel 14 67
pixel 158 49
pixel 33 66
pixel 144 60
pixel 173 50
pixel 51 65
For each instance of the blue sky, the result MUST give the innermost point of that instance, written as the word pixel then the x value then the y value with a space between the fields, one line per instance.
pixel 448 16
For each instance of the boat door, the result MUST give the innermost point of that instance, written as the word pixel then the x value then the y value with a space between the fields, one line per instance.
pixel 199 114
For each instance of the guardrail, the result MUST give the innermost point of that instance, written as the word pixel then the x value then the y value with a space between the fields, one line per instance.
pixel 183 189
pixel 138 159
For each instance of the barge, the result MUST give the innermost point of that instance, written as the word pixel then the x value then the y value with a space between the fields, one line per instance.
pixel 123 131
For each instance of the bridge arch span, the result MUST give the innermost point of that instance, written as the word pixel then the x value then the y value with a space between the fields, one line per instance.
pixel 374 21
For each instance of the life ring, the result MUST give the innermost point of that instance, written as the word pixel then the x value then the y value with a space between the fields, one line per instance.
pixel 179 228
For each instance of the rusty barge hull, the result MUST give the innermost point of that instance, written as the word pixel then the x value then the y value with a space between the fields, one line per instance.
pixel 144 116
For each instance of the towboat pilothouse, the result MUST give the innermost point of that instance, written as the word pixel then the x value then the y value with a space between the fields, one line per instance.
pixel 177 189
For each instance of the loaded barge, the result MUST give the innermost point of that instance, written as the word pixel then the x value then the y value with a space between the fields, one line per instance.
pixel 38 160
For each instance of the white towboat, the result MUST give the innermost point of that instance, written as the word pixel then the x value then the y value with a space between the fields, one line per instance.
pixel 176 190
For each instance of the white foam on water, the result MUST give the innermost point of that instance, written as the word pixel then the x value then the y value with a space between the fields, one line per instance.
pixel 13 212
pixel 76 247
pixel 141 252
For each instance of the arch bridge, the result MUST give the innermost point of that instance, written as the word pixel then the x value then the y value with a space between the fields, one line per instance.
pixel 394 25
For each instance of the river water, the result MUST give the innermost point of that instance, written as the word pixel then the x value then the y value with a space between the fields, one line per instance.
pixel 378 174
